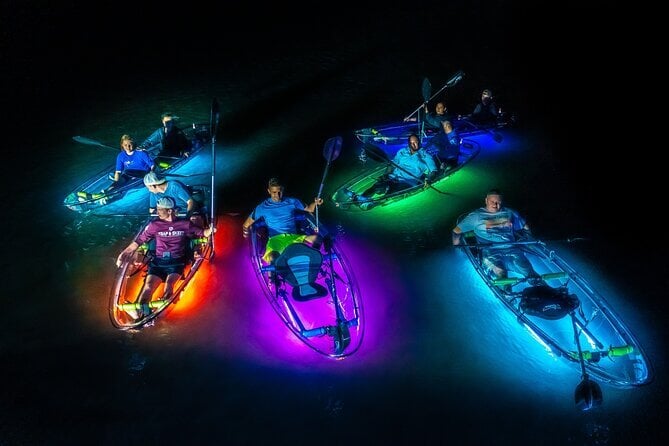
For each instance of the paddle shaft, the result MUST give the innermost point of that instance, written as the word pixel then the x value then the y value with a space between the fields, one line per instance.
pixel 215 115
pixel 414 176
pixel 93 142
pixel 451 82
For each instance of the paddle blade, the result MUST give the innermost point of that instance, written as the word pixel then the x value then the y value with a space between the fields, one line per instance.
pixel 588 395
pixel 92 142
pixel 376 153
pixel 427 89
pixel 215 113
pixel 457 77
pixel 332 148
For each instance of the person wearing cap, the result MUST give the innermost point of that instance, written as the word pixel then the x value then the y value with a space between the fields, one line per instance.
pixel 171 140
pixel 486 112
pixel 279 213
pixel 160 187
pixel 172 236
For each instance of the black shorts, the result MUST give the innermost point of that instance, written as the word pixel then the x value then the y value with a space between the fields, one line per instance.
pixel 164 267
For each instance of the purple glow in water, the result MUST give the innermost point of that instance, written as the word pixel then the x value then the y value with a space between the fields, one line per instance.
pixel 261 335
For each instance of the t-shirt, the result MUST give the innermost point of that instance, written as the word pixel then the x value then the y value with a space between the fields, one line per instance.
pixel 174 190
pixel 139 160
pixel 493 227
pixel 279 215
pixel 171 236
pixel 415 165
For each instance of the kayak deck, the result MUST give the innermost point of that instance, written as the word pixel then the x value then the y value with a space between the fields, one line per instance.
pixel 568 317
pixel 313 291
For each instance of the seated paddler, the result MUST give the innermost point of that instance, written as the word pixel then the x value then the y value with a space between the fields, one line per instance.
pixel 280 214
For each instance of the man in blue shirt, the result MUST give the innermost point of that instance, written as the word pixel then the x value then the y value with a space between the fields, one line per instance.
pixel 181 194
pixel 279 213
pixel 495 224
pixel 410 167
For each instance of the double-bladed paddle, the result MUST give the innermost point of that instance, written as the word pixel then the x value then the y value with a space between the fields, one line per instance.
pixel 331 150
pixel 379 155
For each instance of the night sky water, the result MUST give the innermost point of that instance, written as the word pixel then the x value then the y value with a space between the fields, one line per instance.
pixel 441 362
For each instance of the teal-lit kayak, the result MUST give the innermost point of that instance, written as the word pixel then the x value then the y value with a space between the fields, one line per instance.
pixel 570 319
pixel 92 194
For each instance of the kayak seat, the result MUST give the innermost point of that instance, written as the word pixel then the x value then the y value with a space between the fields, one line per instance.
pixel 299 266
pixel 547 302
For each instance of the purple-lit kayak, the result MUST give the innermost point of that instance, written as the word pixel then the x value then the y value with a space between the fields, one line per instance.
pixel 313 291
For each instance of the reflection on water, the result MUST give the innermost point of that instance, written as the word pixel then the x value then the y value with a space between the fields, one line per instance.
pixel 437 355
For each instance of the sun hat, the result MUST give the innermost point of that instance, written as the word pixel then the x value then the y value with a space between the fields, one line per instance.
pixel 151 179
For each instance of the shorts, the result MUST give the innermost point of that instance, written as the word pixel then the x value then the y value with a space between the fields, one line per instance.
pixel 164 267
pixel 508 260
pixel 279 242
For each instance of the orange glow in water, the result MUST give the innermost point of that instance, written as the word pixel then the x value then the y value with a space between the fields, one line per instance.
pixel 203 284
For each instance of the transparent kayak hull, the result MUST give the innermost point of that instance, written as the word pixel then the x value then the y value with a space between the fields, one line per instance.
pixel 93 194
pixel 313 291
pixel 568 317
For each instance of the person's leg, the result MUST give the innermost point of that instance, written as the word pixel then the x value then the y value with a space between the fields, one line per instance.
pixel 493 262
pixel 150 285
pixel 315 240
pixel 516 261
pixel 169 285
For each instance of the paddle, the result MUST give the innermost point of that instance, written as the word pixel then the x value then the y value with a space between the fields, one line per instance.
pixel 426 90
pixel 182 176
pixel 93 142
pixel 587 394
pixel 457 77
pixel 379 155
pixel 213 125
pixel 495 135
pixel 331 151
pixel 520 242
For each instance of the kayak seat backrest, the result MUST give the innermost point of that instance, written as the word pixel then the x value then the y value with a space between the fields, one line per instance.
pixel 299 265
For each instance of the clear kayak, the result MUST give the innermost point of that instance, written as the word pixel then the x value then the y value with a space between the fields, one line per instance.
pixel 570 319
pixel 347 196
pixel 94 193
pixel 313 291
pixel 125 310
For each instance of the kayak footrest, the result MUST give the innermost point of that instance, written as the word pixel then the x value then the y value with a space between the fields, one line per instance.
pixel 595 356
pixel 515 280
pixel 138 305
pixel 319 331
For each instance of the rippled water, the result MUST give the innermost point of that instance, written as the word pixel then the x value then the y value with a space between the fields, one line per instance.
pixel 440 363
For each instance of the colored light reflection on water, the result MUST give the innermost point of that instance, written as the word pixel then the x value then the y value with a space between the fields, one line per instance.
pixel 491 344
pixel 268 341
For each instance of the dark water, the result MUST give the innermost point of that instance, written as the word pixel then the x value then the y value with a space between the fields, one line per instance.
pixel 437 366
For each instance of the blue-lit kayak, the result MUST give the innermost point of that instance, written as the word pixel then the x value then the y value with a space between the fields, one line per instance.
pixel 313 291
pixel 124 306
pixel 91 195
pixel 570 319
